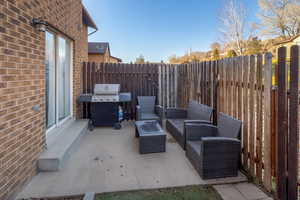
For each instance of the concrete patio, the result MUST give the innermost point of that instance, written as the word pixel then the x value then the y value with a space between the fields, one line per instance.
pixel 107 160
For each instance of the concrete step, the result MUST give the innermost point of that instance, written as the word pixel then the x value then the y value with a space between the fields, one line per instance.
pixel 61 144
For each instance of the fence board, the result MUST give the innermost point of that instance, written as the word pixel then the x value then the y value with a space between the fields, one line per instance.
pixel 282 125
pixel 234 88
pixel 252 115
pixel 245 111
pixel 259 118
pixel 240 89
pixel 230 76
pixel 293 138
pixel 267 122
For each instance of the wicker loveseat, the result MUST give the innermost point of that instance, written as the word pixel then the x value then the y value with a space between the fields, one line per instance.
pixel 214 151
pixel 177 118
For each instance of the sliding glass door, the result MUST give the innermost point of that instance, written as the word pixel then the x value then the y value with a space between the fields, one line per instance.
pixel 58 79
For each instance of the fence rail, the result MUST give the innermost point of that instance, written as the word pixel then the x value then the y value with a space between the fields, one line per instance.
pixel 241 87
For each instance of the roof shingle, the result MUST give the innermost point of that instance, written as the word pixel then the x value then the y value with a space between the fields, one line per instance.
pixel 98 47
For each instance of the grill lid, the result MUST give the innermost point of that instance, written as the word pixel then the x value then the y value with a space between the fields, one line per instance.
pixel 107 89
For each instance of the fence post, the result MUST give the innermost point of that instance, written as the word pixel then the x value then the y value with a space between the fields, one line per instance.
pixel 176 85
pixel 282 126
pixel 293 137
pixel 267 121
pixel 159 86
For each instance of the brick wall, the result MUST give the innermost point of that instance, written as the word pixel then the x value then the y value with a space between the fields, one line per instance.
pixel 97 58
pixel 22 82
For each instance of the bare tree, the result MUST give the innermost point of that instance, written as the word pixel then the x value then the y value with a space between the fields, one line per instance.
pixel 233 26
pixel 215 45
pixel 279 17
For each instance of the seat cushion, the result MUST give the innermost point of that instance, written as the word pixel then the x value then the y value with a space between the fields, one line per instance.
pixel 149 116
pixel 193 149
pixel 147 103
pixel 194 146
pixel 178 124
pixel 199 111
pixel 228 126
pixel 176 128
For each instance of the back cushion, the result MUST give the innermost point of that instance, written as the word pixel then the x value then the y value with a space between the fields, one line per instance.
pixel 199 111
pixel 228 126
pixel 147 103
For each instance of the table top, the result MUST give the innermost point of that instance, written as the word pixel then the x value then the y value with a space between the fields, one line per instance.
pixel 149 128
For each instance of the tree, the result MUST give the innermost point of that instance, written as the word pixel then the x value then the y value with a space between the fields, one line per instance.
pixel 216 54
pixel 173 59
pixel 231 53
pixel 215 45
pixel 140 60
pixel 254 46
pixel 188 57
pixel 279 17
pixel 233 28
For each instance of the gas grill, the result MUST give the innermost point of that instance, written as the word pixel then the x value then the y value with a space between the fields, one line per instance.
pixel 105 104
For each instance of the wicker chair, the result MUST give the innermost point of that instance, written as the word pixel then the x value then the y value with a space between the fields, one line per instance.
pixel 177 118
pixel 214 151
pixel 147 110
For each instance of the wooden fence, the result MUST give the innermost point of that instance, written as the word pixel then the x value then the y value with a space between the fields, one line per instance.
pixel 140 80
pixel 241 87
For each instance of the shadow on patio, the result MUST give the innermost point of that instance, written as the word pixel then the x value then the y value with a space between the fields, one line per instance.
pixel 108 160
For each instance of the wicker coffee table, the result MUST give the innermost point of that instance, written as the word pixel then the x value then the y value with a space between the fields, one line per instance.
pixel 152 138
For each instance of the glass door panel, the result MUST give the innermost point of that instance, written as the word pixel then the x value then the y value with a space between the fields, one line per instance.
pixel 63 65
pixel 58 79
pixel 50 80
pixel 68 80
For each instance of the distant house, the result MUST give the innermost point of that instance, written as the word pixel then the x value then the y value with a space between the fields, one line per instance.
pixel 286 43
pixel 100 52
pixel 115 59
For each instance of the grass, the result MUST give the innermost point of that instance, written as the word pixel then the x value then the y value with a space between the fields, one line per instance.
pixel 182 193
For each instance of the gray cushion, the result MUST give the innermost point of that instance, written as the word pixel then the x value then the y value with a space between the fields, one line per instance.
pixel 195 146
pixel 149 116
pixel 199 111
pixel 178 124
pixel 228 126
pixel 147 103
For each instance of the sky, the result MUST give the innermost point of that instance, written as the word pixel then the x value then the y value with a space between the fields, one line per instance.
pixel 158 29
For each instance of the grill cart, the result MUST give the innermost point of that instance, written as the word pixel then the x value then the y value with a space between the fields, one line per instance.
pixel 105 105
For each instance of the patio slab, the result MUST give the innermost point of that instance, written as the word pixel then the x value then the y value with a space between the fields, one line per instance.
pixel 241 191
pixel 107 160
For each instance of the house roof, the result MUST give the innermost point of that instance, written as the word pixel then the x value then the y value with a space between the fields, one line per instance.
pixel 99 47
pixel 288 40
pixel 87 19
pixel 118 59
